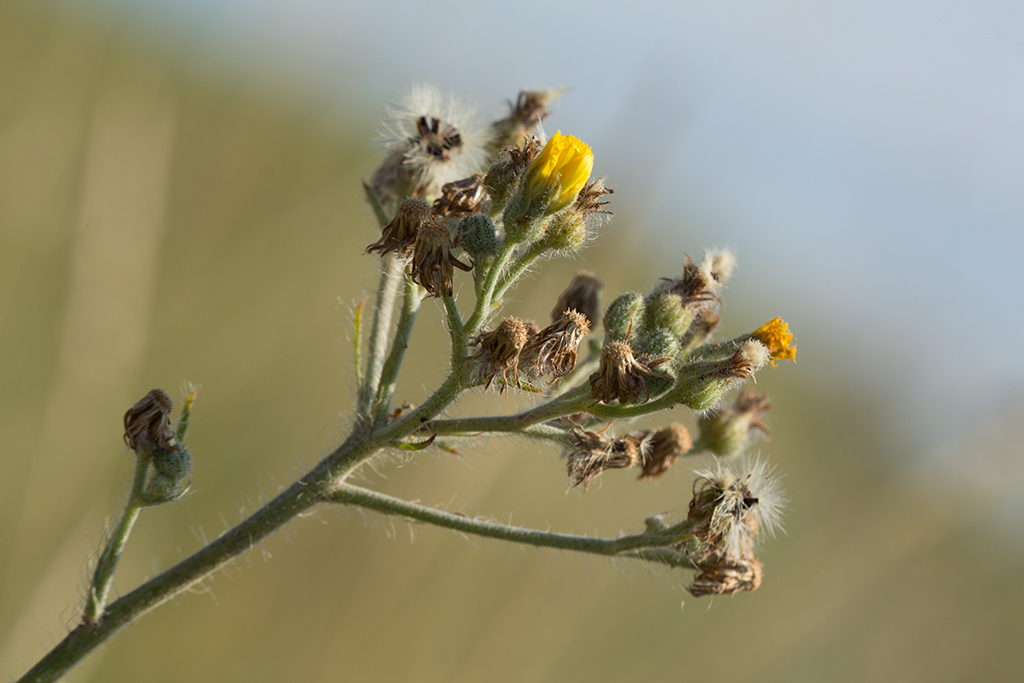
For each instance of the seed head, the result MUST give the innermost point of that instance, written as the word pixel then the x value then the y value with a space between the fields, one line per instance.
pixel 430 140
pixel 462 197
pixel 726 577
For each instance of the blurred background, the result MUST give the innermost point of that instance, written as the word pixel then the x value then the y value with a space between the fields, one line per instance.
pixel 180 200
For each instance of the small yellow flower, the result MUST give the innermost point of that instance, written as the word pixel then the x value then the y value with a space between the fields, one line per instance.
pixel 775 335
pixel 559 172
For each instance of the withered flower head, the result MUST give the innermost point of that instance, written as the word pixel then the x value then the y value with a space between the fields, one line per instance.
pixel 400 234
pixel 503 177
pixel 432 261
pixel 431 139
pixel 730 507
pixel 593 453
pixel 662 448
pixel 581 295
pixel 500 349
pixel 552 351
pixel 462 197
pixel 622 376
pixel 727 431
pixel 726 577
pixel 697 285
pixel 147 425
pixel 525 115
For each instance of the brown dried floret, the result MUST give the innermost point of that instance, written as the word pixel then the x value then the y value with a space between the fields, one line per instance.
pixel 588 202
pixel 432 261
pixel 663 448
pixel 500 349
pixel 594 453
pixel 400 234
pixel 552 351
pixel 526 113
pixel 583 295
pixel 622 376
pixel 727 577
pixel 462 197
pixel 697 284
pixel 147 425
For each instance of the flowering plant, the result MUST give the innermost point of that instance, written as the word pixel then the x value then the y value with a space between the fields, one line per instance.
pixel 491 201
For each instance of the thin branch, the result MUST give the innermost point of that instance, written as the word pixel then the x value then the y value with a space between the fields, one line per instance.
pixel 634 545
pixel 390 277
pixel 399 344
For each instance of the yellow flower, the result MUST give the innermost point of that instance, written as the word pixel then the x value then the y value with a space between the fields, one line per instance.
pixel 559 172
pixel 775 335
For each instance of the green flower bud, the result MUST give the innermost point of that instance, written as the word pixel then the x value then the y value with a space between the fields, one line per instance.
pixel 171 476
pixel 624 316
pixel 478 237
pixel 666 312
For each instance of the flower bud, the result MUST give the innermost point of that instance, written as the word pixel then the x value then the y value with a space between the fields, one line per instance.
pixel 624 316
pixel 702 384
pixel 666 311
pixel 552 182
pixel 775 335
pixel 478 237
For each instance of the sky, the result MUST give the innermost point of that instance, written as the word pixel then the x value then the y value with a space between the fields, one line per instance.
pixel 865 159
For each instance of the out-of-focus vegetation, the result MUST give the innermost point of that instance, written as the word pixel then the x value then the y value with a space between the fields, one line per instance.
pixel 158 225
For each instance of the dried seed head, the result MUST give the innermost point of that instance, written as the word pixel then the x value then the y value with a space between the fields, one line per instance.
pixel 432 261
pixel 663 448
pixel 727 577
pixel 728 431
pixel 594 453
pixel 499 351
pixel 775 335
pixel 697 286
pixel 730 507
pixel 431 139
pixel 623 376
pixel 525 116
pixel 552 351
pixel 719 264
pixel 462 197
pixel 147 424
pixel 583 295
pixel 400 234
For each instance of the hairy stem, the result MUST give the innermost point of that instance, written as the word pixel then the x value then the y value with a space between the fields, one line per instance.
pixel 103 577
pixel 390 278
pixel 624 545
pixel 403 332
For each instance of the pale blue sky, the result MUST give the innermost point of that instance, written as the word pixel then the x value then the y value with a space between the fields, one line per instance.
pixel 865 159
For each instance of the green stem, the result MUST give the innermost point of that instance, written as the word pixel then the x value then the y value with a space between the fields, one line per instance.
pixel 572 402
pixel 399 344
pixel 386 293
pixel 485 301
pixel 103 577
pixel 624 545
pixel 517 269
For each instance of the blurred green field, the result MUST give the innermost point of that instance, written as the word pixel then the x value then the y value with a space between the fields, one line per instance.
pixel 159 225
